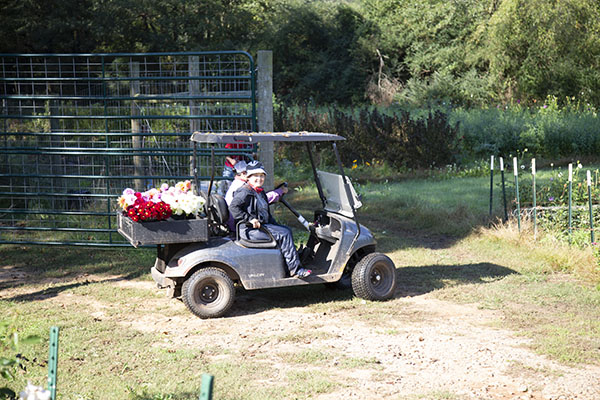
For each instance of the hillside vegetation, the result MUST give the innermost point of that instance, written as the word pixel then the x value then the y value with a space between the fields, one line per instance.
pixel 470 52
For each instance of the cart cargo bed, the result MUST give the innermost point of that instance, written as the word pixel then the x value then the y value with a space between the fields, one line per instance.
pixel 162 232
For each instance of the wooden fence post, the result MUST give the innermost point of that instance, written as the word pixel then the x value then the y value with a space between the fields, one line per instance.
pixel 195 124
pixel 264 89
pixel 136 128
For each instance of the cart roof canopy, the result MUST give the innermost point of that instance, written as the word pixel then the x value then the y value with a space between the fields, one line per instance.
pixel 256 137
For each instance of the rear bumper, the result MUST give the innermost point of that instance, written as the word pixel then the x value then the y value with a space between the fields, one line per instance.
pixel 161 280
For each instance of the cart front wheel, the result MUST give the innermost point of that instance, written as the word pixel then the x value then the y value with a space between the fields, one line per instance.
pixel 208 293
pixel 374 277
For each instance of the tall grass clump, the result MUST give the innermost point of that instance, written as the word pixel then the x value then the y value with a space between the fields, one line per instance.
pixel 549 130
pixel 549 246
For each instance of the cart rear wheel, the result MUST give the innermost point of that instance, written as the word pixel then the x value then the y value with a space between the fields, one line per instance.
pixel 208 293
pixel 374 277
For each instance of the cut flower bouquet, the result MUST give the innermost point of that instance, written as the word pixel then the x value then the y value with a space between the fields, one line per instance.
pixel 160 204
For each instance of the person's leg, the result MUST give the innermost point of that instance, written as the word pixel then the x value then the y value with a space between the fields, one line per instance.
pixel 254 234
pixel 285 240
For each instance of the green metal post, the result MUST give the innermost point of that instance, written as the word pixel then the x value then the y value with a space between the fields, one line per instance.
pixel 53 361
pixel 107 141
pixel 589 185
pixel 503 189
pixel 570 201
pixel 534 199
pixel 207 387
pixel 491 185
pixel 516 172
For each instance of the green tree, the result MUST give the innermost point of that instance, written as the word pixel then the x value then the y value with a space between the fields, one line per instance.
pixel 321 52
pixel 427 45
pixel 536 48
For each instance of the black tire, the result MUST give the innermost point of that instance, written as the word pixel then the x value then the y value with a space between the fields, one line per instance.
pixel 208 293
pixel 374 277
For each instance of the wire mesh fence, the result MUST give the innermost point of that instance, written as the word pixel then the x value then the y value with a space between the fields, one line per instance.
pixel 77 129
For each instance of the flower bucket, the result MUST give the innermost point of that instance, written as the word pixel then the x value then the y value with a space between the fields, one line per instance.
pixel 162 232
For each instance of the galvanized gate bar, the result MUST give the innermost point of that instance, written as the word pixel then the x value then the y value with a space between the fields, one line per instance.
pixel 76 129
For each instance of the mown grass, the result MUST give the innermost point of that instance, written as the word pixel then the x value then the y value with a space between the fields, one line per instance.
pixel 438 234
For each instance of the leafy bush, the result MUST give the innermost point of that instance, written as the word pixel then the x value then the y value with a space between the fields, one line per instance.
pixel 547 130
pixel 396 137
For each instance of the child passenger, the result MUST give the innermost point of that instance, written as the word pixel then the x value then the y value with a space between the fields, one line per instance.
pixel 250 204
pixel 240 179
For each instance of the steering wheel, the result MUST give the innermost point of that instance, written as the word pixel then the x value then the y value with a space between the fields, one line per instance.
pixel 300 218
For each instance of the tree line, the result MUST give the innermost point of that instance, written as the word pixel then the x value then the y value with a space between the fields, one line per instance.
pixel 464 52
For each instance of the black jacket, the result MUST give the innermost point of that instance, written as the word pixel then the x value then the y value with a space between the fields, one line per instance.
pixel 245 206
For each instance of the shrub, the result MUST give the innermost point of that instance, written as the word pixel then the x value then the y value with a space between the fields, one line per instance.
pixel 396 137
pixel 546 131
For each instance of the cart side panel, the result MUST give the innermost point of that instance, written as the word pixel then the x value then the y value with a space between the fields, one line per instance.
pixel 162 232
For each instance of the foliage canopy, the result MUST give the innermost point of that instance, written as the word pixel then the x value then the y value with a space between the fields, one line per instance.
pixel 470 52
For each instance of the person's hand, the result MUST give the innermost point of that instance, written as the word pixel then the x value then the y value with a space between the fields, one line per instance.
pixel 284 189
pixel 255 223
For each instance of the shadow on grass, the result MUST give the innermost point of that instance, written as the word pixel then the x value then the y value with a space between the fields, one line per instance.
pixel 412 281
pixel 55 290
pixel 28 265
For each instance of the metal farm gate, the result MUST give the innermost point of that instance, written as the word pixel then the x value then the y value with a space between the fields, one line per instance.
pixel 77 129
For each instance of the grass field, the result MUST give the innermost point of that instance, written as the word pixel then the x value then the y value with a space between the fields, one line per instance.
pixel 116 335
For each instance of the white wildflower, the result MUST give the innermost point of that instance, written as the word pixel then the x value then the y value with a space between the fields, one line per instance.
pixel 33 392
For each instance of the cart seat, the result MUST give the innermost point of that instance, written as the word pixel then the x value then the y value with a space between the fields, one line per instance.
pixel 219 214
pixel 255 244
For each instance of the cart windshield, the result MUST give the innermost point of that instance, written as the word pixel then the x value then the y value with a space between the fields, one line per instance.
pixel 337 200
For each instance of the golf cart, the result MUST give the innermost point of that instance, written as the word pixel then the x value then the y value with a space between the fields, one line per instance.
pixel 205 271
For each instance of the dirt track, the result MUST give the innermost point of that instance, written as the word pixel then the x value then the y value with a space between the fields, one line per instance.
pixel 411 347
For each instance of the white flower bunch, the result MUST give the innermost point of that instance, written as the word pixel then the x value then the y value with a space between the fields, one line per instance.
pixel 181 199
pixel 33 392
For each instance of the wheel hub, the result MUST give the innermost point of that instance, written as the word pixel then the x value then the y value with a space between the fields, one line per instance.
pixel 376 278
pixel 209 293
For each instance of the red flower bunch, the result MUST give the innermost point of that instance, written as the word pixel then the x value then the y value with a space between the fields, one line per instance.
pixel 147 210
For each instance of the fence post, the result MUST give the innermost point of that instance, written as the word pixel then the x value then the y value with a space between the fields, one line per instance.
pixel 207 387
pixel 264 89
pixel 491 185
pixel 570 199
pixel 53 362
pixel 534 199
pixel 589 185
pixel 195 125
pixel 516 172
pixel 503 189
pixel 136 127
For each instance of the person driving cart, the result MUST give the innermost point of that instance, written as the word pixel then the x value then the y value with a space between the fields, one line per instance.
pixel 250 205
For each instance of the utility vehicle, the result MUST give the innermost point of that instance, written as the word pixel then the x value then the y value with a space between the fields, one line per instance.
pixel 205 271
